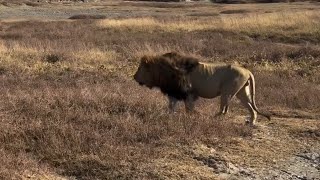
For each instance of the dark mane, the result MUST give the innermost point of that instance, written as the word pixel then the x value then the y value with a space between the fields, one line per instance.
pixel 170 72
pixel 186 63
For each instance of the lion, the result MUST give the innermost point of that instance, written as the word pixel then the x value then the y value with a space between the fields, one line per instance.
pixel 184 78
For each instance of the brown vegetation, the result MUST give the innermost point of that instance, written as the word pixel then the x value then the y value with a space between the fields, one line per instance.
pixel 69 106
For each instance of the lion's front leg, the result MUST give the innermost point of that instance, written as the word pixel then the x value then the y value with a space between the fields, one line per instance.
pixel 189 103
pixel 172 104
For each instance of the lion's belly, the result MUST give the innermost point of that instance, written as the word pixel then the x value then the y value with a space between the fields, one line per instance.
pixel 206 86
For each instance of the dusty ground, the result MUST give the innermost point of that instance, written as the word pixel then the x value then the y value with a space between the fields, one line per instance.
pixel 283 148
pixel 278 154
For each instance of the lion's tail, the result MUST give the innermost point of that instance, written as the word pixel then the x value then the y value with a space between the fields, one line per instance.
pixel 253 91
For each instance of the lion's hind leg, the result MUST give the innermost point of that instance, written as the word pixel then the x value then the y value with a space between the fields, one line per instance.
pixel 224 104
pixel 227 93
pixel 244 96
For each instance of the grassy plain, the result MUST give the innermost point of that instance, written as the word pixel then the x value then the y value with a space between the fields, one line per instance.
pixel 70 109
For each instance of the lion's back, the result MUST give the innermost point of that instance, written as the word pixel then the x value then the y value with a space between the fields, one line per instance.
pixel 207 79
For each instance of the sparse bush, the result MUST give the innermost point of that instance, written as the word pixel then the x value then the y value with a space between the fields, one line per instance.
pixel 33 4
pixel 88 16
pixel 238 11
pixel 53 58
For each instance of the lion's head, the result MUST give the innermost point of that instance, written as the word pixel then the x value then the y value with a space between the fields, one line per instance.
pixel 169 72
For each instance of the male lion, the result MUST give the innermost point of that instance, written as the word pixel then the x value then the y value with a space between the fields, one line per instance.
pixel 185 78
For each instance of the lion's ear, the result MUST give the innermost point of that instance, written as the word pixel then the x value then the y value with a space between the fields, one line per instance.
pixel 190 64
pixel 172 54
pixel 182 68
pixel 168 64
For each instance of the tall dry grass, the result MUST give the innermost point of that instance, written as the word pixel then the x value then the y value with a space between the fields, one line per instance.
pixel 91 129
pixel 286 24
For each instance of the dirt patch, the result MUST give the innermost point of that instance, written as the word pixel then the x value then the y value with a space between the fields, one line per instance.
pixel 235 160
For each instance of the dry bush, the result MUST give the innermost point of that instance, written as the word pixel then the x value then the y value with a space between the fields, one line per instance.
pixel 33 4
pixel 11 3
pixel 163 4
pixel 238 11
pixel 87 129
pixel 285 89
pixel 204 14
pixel 88 16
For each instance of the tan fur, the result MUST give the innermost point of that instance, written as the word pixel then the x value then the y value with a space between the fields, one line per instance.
pixel 196 79
pixel 226 81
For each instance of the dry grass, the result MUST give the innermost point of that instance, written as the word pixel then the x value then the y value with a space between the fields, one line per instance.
pixel 88 129
pixel 69 105
pixel 285 25
pixel 33 61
